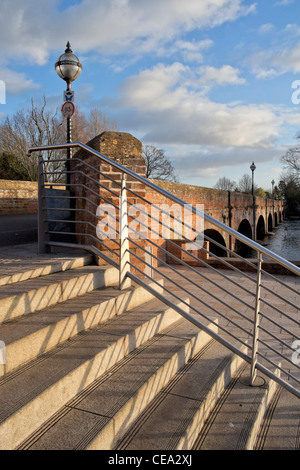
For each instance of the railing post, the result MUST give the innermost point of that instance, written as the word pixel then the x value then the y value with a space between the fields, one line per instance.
pixel 149 261
pixel 256 322
pixel 124 281
pixel 42 237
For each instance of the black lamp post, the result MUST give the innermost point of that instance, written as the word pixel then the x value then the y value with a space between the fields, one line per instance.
pixel 68 67
pixel 252 168
pixel 272 183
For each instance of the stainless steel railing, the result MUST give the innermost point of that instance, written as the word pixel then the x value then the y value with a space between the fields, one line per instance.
pixel 248 306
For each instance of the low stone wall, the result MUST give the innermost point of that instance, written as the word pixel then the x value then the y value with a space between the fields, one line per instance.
pixel 18 197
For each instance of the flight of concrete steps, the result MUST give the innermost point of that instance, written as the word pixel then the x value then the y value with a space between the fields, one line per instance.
pixel 91 367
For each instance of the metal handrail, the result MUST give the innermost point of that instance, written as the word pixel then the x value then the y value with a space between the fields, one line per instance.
pixel 175 199
pixel 254 356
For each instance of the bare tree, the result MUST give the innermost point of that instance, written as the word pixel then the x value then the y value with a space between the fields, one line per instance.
pixel 158 165
pixel 86 128
pixel 38 126
pixel 98 122
pixel 291 160
pixel 245 184
pixel 32 127
pixel 225 184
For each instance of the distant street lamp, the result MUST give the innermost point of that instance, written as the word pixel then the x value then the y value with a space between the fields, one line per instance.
pixel 68 67
pixel 272 183
pixel 252 168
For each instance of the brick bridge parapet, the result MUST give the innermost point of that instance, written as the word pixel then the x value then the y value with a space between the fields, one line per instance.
pixel 251 216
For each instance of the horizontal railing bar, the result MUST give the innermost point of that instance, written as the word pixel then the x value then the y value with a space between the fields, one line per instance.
pixel 149 183
pixel 277 279
pixel 198 259
pixel 91 179
pixel 90 248
pixel 78 222
pixel 278 366
pixel 278 339
pixel 83 162
pixel 275 308
pixel 236 255
pixel 198 286
pixel 79 198
pixel 63 209
pixel 201 261
pixel 190 306
pixel 263 315
pixel 190 293
pixel 52 232
pixel 280 297
pixel 191 268
pixel 282 312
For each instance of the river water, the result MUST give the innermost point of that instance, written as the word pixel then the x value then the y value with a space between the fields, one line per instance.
pixel 286 241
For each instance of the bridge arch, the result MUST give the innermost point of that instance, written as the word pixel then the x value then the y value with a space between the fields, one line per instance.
pixel 276 219
pixel 260 228
pixel 270 223
pixel 245 229
pixel 217 237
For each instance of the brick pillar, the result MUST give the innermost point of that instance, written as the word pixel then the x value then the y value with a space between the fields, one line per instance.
pixel 120 147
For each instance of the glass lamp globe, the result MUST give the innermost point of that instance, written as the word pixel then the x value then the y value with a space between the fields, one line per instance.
pixel 68 66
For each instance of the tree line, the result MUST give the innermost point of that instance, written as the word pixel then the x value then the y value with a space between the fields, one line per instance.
pixel 38 126
pixel 287 189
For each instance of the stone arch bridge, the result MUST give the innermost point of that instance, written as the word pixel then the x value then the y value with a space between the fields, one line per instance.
pixel 254 217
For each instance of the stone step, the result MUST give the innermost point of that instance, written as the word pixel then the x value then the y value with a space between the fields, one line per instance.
pixel 107 408
pixel 193 393
pixel 36 294
pixel 22 269
pixel 31 394
pixel 31 335
pixel 238 414
pixel 280 426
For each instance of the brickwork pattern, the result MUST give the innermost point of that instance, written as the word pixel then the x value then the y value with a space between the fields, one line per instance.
pixel 18 197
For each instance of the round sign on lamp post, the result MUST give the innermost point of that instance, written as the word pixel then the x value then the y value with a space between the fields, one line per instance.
pixel 68 109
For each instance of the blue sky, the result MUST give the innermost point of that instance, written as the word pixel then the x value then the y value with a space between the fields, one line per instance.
pixel 208 81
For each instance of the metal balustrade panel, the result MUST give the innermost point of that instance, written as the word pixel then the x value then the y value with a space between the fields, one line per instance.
pixel 252 308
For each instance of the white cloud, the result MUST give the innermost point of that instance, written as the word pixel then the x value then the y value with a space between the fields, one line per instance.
pixel 192 51
pixel 166 106
pixel 277 61
pixel 225 75
pixel 283 3
pixel 16 83
pixel 30 30
pixel 282 56
pixel 266 28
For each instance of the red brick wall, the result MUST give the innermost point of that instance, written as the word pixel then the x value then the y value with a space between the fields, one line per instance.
pixel 122 148
pixel 18 197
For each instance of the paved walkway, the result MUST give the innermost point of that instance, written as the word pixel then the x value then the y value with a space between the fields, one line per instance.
pixel 18 228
